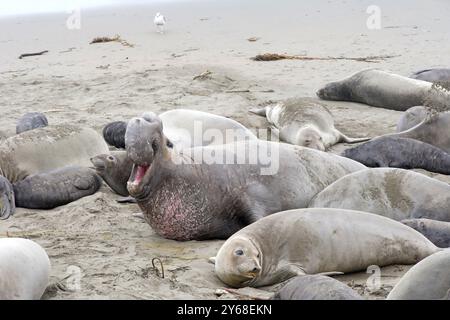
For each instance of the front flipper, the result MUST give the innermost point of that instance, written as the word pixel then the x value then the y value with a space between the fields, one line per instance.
pixel 212 260
pixel 258 111
pixel 344 138
pixel 286 272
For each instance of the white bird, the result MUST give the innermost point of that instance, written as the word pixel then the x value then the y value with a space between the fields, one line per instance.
pixel 159 21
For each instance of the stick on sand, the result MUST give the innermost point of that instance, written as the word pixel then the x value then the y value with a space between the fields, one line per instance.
pixel 276 56
pixel 32 54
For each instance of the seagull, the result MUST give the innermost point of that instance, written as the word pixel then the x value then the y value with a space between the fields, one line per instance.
pixel 159 21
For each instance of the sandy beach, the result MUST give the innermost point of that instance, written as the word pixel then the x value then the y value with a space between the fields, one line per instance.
pixel 98 248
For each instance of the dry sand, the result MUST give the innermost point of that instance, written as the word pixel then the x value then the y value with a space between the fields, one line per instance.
pixel 76 82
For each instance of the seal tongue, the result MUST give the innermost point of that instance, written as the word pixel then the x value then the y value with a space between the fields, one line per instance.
pixel 140 172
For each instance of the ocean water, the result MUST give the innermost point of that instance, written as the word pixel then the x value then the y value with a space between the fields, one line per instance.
pixel 22 7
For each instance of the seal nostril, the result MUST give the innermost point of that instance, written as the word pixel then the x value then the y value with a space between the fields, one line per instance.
pixel 255 269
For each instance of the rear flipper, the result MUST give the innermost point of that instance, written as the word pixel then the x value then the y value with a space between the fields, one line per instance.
pixel 258 111
pixel 344 138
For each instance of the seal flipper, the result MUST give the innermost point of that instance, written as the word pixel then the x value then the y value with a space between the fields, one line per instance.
pixel 212 260
pixel 286 272
pixel 344 138
pixel 258 111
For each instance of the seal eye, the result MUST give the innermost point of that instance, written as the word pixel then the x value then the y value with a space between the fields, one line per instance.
pixel 110 158
pixel 239 252
pixel 154 146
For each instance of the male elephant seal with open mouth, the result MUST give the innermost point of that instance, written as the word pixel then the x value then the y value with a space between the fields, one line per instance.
pixel 396 152
pixel 212 192
pixel 304 122
pixel 382 89
pixel 394 193
pixel 312 241
pixel 24 269
pixel 427 280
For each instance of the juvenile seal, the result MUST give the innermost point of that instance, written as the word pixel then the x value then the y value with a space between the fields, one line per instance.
pixel 379 88
pixel 115 169
pixel 437 232
pixel 432 75
pixel 312 241
pixel 7 201
pixel 48 148
pixel 427 280
pixel 30 121
pixel 186 128
pixel 396 152
pixel 412 117
pixel 211 192
pixel 432 130
pixel 394 193
pixel 56 188
pixel 24 269
pixel 316 287
pixel 304 122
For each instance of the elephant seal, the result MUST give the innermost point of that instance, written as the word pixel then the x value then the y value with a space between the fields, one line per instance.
pixel 382 89
pixel 411 118
pixel 432 75
pixel 30 121
pixel 7 201
pixel 432 130
pixel 304 122
pixel 316 287
pixel 24 269
pixel 437 232
pixel 312 241
pixel 427 280
pixel 114 133
pixel 56 188
pixel 46 149
pixel 394 193
pixel 212 192
pixel 186 128
pixel 115 169
pixel 399 152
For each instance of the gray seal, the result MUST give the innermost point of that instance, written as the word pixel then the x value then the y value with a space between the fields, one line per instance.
pixel 115 169
pixel 304 122
pixel 399 152
pixel 411 118
pixel 427 280
pixel 432 75
pixel 30 121
pixel 313 241
pixel 394 193
pixel 24 269
pixel 382 89
pixel 114 133
pixel 437 232
pixel 7 201
pixel 316 287
pixel 56 188
pixel 212 192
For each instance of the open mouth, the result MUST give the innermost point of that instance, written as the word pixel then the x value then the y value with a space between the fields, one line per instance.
pixel 138 173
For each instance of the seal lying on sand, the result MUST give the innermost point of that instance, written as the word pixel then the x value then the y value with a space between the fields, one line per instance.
pixel 49 148
pixel 411 118
pixel 427 280
pixel 312 241
pixel 437 232
pixel 304 122
pixel 56 188
pixel 30 121
pixel 115 169
pixel 187 128
pixel 7 201
pixel 380 89
pixel 399 152
pixel 432 130
pixel 316 287
pixel 394 193
pixel 194 195
pixel 24 269
pixel 44 150
pixel 432 75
